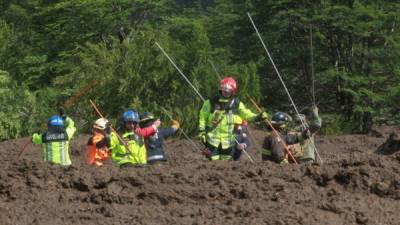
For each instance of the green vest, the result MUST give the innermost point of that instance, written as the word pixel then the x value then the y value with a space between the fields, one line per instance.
pixel 219 124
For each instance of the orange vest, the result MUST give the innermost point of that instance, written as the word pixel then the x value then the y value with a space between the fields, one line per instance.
pixel 94 154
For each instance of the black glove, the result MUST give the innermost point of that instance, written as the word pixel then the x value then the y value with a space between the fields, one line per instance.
pixel 207 153
pixel 306 133
pixel 61 112
pixel 108 129
pixel 108 141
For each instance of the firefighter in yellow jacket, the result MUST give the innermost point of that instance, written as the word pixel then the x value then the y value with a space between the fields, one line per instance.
pixel 218 117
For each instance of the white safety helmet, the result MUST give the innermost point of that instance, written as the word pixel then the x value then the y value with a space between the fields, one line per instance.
pixel 100 124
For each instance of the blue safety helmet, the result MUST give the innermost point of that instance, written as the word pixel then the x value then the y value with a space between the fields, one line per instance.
pixel 131 116
pixel 55 121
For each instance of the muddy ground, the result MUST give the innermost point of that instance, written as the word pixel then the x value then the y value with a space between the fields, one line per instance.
pixel 356 185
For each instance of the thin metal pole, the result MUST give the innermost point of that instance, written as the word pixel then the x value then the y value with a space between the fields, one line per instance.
pixel 183 75
pixel 215 69
pixel 312 67
pixel 182 131
pixel 194 88
pixel 304 123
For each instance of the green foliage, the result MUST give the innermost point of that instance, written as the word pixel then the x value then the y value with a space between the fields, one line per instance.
pixel 15 115
pixel 334 124
pixel 7 43
pixel 52 49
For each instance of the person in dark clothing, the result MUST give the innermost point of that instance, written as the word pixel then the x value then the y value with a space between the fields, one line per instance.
pixel 154 143
pixel 275 143
pixel 243 142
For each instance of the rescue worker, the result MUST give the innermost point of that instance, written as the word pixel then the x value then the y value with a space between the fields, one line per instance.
pixel 55 141
pixel 274 143
pixel 97 147
pixel 154 143
pixel 217 120
pixel 315 122
pixel 133 136
pixel 243 141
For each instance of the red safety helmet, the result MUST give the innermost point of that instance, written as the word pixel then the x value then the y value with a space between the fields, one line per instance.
pixel 228 84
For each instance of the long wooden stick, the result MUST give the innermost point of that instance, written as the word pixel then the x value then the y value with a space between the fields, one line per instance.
pixel 66 105
pixel 79 94
pixel 25 147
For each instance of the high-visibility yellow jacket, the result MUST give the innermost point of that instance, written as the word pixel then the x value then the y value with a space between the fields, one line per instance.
pixel 136 153
pixel 218 117
pixel 55 144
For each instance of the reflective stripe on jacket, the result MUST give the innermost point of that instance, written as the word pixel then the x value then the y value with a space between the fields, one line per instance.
pixel 137 149
pixel 55 146
pixel 219 124
pixel 154 144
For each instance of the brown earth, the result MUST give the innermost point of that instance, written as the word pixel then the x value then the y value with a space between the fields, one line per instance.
pixel 356 185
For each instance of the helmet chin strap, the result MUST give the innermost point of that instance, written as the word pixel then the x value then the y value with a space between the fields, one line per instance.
pixel 229 97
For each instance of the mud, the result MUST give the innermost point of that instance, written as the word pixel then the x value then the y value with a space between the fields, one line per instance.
pixel 355 185
pixel 391 145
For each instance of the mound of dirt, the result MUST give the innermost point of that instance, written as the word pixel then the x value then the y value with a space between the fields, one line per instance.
pixel 391 145
pixel 354 186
